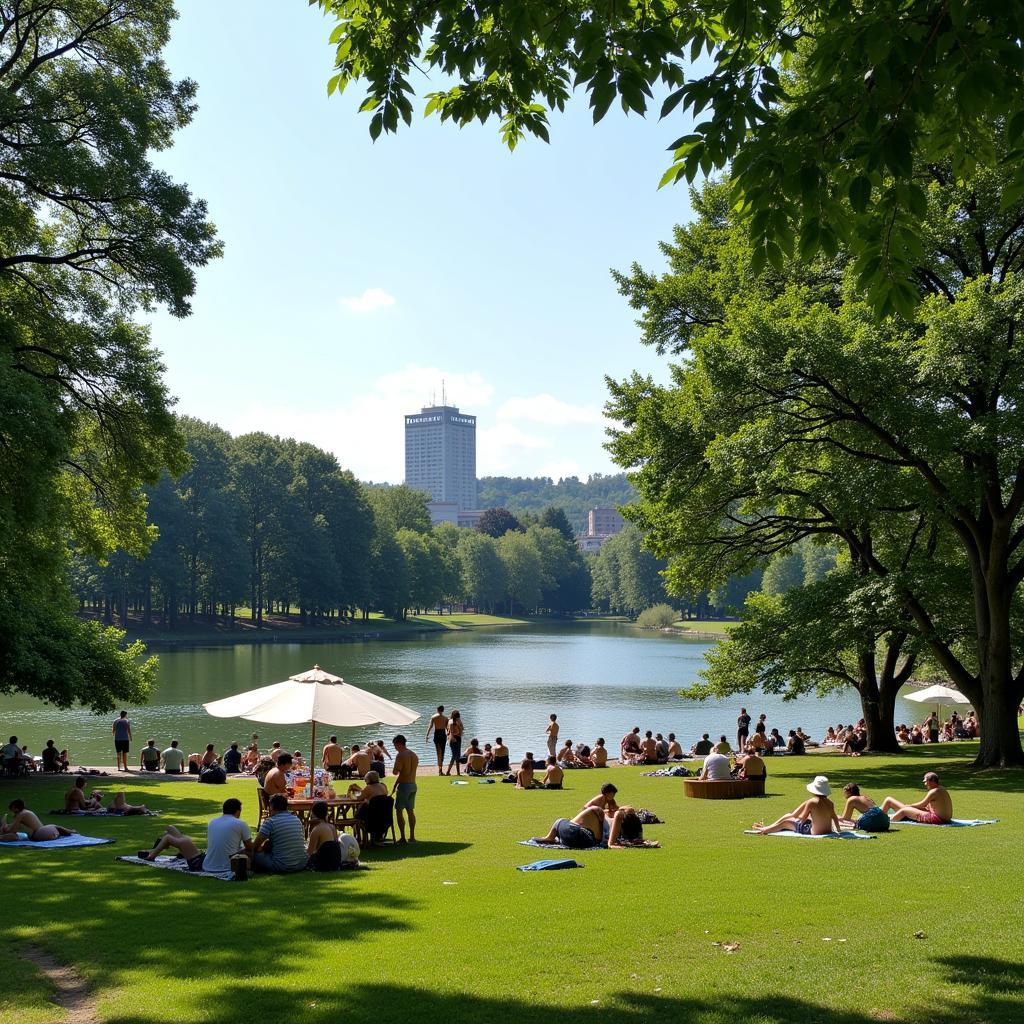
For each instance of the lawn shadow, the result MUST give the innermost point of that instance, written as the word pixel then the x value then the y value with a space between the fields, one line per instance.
pixel 327 1001
pixel 386 852
pixel 958 775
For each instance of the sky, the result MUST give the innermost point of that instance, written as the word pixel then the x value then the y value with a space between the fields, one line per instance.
pixel 359 277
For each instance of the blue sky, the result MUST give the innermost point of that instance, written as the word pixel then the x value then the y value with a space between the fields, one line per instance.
pixel 358 275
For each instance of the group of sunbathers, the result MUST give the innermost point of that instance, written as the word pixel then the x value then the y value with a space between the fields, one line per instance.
pixel 601 822
pixel 817 815
pixel 76 801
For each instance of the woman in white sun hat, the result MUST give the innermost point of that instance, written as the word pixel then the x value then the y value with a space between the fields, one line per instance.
pixel 814 817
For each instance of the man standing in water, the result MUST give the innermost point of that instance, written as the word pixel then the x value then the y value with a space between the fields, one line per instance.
pixel 122 730
pixel 404 790
pixel 437 729
pixel 552 731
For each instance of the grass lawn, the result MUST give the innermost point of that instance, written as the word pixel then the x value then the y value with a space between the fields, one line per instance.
pixel 921 925
pixel 465 620
pixel 706 625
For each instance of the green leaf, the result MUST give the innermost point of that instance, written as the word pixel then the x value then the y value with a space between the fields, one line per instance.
pixel 671 102
pixel 860 193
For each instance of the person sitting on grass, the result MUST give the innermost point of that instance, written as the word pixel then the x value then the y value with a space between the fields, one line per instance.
pixel 857 743
pixel 553 775
pixel 524 777
pixel 209 757
pixel 75 799
pixel 796 744
pixel 28 822
pixel 476 763
pixel 358 763
pixel 751 767
pixel 149 758
pixel 173 839
pixel 675 751
pixel 814 817
pixel 722 746
pixel 584 758
pixel 53 761
pixel 599 755
pixel 648 749
pixel 605 800
pixel 173 759
pixel 281 833
pixel 759 743
pixel 323 852
pixel 629 747
pixel 566 757
pixel 902 734
pixel 863 805
pixel 592 827
pixel 702 747
pixel 934 808
pixel 499 756
pixel 232 760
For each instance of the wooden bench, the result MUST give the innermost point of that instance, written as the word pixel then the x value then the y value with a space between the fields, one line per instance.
pixel 731 789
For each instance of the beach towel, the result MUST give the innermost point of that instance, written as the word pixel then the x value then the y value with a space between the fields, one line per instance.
pixel 487 782
pixel 177 864
pixel 790 834
pixel 955 823
pixel 459 782
pixel 105 814
pixel 560 846
pixel 548 865
pixel 56 844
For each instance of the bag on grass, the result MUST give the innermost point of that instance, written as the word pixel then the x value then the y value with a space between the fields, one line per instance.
pixel 874 819
pixel 214 774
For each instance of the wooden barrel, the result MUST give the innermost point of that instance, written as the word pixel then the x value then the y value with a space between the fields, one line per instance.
pixel 729 789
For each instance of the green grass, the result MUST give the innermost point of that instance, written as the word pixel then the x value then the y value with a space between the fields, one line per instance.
pixel 706 625
pixel 466 620
pixel 449 931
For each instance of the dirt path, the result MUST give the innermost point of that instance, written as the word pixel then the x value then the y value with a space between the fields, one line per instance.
pixel 70 990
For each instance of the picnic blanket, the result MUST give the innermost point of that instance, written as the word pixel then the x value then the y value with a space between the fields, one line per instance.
pixel 105 814
pixel 955 823
pixel 676 771
pixel 548 865
pixel 56 844
pixel 790 834
pixel 178 864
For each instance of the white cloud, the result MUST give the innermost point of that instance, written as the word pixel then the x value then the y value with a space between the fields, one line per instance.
pixel 548 410
pixel 369 302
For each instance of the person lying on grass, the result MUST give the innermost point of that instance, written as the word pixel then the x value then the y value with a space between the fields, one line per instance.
pixel 119 805
pixel 814 817
pixel 592 826
pixel 27 821
pixel 76 800
pixel 934 808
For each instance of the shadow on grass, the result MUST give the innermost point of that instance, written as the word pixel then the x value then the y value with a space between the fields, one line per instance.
pixel 327 1002
pixel 386 852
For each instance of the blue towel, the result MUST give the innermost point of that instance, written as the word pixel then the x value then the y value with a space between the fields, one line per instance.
pixel 58 844
pixel 548 865
pixel 486 782
pixel 790 834
pixel 955 823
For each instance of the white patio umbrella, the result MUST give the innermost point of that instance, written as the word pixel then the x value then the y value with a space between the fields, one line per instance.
pixel 316 697
pixel 938 695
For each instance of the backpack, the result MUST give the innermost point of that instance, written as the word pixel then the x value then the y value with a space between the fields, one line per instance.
pixel 874 819
pixel 214 774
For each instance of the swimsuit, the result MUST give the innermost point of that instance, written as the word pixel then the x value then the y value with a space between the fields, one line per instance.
pixel 439 737
pixel 804 827
pixel 931 818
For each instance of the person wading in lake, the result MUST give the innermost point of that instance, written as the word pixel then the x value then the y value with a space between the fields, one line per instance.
pixel 437 729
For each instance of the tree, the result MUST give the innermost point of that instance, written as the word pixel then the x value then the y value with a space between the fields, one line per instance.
pixel 821 157
pixel 799 414
pixel 401 507
pixel 496 522
pixel 524 570
pixel 627 578
pixel 483 573
pixel 90 232
pixel 784 572
pixel 554 518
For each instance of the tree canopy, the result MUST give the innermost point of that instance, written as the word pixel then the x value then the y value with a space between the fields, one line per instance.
pixel 824 157
pixel 795 413
pixel 90 232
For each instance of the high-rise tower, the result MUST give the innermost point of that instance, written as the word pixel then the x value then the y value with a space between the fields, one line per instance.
pixel 440 454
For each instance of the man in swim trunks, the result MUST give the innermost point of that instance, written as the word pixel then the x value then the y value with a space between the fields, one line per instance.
pixel 935 808
pixel 437 729
pixel 185 846
pixel 675 751
pixel 499 756
pixel 592 827
pixel 648 749
pixel 331 757
pixel 552 732
pixel 76 800
pixel 814 817
pixel 404 790
pixel 553 775
pixel 27 821
pixel 122 732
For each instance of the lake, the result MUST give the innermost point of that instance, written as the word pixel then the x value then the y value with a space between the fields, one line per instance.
pixel 600 678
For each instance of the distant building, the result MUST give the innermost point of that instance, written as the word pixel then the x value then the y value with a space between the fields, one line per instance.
pixel 443 512
pixel 440 455
pixel 602 522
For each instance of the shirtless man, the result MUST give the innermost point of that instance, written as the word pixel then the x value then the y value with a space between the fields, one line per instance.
pixel 648 749
pixel 437 729
pixel 476 761
pixel 605 800
pixel 275 781
pixel 814 817
pixel 629 745
pixel 599 755
pixel 332 756
pixel 591 827
pixel 855 801
pixel 552 776
pixel 524 777
pixel 934 808
pixel 566 755
pixel 359 762
pixel 675 751
pixel 25 820
pixel 499 756
pixel 76 800
pixel 552 731
pixel 185 846
pixel 404 790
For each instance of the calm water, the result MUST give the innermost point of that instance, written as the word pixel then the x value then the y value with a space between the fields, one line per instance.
pixel 601 679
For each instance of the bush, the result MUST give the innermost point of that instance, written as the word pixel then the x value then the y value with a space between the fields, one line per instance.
pixel 657 617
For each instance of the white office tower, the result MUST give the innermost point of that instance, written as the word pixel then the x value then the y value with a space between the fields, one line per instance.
pixel 440 455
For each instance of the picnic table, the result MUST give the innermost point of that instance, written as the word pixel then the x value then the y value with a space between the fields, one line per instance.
pixel 340 811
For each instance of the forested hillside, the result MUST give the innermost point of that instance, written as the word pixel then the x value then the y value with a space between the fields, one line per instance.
pixel 575 496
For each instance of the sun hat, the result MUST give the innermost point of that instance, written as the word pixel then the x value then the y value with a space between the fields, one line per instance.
pixel 819 786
